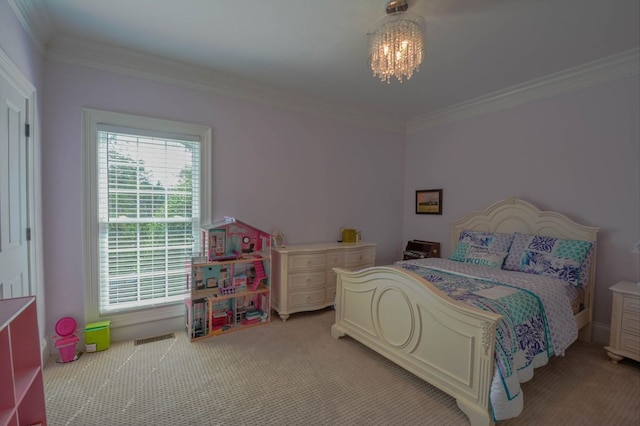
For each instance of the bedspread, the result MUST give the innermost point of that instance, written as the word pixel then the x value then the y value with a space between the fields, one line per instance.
pixel 537 322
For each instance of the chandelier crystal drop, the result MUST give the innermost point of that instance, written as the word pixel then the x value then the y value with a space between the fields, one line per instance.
pixel 396 45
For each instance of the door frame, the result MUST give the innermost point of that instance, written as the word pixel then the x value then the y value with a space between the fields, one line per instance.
pixel 10 72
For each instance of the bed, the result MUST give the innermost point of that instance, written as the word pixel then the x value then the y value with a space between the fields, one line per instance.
pixel 456 323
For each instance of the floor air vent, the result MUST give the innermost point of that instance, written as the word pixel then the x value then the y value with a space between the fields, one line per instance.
pixel 153 339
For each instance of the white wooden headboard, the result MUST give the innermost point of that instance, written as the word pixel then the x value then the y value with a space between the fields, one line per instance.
pixel 514 215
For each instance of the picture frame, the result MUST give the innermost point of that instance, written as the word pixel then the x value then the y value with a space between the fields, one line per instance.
pixel 429 201
pixel 212 282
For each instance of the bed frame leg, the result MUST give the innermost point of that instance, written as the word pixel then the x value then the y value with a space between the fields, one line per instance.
pixel 477 417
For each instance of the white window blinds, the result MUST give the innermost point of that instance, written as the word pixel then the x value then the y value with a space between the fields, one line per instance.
pixel 148 207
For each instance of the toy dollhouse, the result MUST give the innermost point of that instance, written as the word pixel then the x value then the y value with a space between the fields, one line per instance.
pixel 228 284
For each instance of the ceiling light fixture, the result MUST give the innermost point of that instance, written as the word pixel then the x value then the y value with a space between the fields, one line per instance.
pixel 396 44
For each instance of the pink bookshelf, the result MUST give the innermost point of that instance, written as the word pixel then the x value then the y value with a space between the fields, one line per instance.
pixel 22 391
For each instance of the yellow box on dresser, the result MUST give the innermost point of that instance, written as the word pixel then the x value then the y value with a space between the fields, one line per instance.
pixel 624 340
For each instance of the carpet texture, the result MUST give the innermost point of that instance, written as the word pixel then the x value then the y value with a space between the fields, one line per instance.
pixel 295 373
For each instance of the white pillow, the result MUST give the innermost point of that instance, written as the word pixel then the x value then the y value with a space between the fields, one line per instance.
pixel 485 257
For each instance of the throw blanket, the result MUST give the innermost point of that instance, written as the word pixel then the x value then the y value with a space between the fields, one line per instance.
pixel 537 319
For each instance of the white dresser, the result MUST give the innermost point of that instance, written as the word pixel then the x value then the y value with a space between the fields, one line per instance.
pixel 624 341
pixel 302 278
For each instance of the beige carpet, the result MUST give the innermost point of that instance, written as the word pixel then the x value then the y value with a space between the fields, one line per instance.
pixel 295 373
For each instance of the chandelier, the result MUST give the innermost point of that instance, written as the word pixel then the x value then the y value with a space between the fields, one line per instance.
pixel 396 44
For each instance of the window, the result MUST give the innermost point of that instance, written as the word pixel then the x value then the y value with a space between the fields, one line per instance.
pixel 145 186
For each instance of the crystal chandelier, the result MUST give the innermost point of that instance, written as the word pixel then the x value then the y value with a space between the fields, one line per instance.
pixel 396 44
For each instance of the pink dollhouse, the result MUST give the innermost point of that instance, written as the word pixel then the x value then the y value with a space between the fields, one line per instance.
pixel 229 285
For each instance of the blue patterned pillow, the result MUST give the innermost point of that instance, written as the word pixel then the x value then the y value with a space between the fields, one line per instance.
pixel 549 256
pixel 555 267
pixel 492 241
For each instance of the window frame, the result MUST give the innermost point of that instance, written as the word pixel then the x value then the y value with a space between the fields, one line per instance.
pixel 91 119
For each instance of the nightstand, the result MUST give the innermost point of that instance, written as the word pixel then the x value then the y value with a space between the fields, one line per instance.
pixel 624 341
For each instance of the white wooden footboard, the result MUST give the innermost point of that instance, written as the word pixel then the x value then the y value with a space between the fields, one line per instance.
pixel 406 319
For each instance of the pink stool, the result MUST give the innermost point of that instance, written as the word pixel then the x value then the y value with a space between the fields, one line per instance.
pixel 66 339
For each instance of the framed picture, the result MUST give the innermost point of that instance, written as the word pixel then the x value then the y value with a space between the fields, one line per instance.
pixel 429 201
pixel 212 283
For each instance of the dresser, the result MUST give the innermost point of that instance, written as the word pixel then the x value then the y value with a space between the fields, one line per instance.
pixel 302 278
pixel 624 341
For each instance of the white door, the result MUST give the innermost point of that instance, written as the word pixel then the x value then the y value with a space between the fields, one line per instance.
pixel 14 250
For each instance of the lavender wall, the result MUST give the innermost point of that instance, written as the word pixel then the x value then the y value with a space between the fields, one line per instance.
pixel 576 153
pixel 272 168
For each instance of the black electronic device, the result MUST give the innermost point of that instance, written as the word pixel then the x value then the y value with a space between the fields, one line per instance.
pixel 420 249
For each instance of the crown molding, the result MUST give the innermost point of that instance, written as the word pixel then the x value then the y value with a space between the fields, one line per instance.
pixel 137 64
pixel 36 19
pixel 13 74
pixel 115 59
pixel 622 65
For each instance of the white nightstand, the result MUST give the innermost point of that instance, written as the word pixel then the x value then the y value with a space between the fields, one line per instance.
pixel 624 340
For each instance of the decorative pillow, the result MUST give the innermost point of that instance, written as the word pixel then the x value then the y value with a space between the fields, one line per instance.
pixel 549 256
pixel 550 266
pixel 492 241
pixel 485 257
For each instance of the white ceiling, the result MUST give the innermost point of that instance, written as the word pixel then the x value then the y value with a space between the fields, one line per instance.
pixel 318 48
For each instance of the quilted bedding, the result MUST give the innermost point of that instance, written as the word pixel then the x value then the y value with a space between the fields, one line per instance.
pixel 537 323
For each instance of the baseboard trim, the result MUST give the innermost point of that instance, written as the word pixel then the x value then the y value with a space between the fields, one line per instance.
pixel 600 333
pixel 147 329
pixel 44 350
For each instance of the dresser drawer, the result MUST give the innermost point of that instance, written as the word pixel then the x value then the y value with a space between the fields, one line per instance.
pixel 359 257
pixel 306 281
pixel 630 342
pixel 304 262
pixel 631 304
pixel 631 323
pixel 306 298
pixel 335 259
